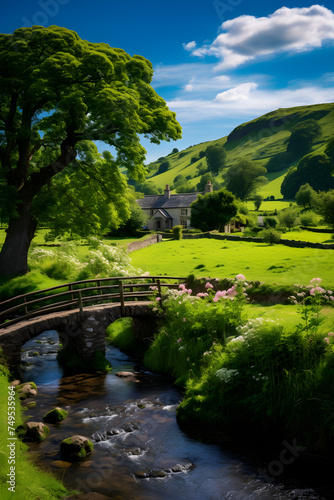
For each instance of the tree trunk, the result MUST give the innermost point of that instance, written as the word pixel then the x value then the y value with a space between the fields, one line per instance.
pixel 20 232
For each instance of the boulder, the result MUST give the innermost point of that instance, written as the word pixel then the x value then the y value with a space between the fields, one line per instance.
pixel 26 390
pixel 34 431
pixel 75 448
pixel 56 415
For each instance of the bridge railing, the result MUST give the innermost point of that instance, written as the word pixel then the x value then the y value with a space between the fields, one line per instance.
pixel 81 294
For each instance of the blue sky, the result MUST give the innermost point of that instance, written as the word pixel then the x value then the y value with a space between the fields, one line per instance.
pixel 217 63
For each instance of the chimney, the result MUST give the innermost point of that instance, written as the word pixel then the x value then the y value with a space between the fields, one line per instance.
pixel 209 187
pixel 167 192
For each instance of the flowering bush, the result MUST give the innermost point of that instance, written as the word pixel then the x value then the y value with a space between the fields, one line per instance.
pixel 311 299
pixel 101 261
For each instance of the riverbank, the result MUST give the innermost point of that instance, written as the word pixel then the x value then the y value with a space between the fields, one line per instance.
pixel 247 376
pixel 20 478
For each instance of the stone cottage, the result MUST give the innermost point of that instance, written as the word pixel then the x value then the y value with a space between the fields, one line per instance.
pixel 167 210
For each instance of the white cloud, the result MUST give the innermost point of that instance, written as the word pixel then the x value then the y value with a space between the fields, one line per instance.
pixel 189 87
pixel 241 92
pixel 286 30
pixel 252 102
pixel 190 45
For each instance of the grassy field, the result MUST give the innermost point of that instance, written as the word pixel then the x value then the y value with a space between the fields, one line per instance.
pixel 257 261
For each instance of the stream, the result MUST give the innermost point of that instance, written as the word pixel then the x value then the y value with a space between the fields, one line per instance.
pixel 140 453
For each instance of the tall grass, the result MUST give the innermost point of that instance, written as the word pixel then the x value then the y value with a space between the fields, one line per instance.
pixel 246 375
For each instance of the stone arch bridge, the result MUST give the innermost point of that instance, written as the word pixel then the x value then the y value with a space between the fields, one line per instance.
pixel 82 328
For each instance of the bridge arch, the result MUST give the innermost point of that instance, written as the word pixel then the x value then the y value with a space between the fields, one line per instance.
pixel 82 332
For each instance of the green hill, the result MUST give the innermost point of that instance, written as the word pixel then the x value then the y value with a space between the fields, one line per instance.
pixel 258 140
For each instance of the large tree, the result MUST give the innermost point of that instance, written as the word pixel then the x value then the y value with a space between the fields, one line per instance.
pixel 244 178
pixel 213 210
pixel 56 91
pixel 215 158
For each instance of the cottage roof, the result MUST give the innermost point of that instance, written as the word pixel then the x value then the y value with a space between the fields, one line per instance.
pixel 162 212
pixel 181 200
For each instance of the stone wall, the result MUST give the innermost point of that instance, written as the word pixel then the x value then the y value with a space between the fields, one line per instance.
pixel 137 245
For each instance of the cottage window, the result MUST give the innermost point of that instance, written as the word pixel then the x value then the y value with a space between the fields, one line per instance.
pixel 183 223
pixel 151 212
pixel 184 211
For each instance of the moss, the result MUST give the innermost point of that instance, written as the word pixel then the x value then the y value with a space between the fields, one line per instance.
pixel 55 415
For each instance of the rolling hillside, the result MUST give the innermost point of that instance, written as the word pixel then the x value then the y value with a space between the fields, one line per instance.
pixel 258 141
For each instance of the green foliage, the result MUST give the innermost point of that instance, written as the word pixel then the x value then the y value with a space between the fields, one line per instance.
pixel 135 222
pixel 55 415
pixel 305 196
pixel 270 221
pixel 177 232
pixel 68 103
pixel 85 214
pixel 190 329
pixel 308 218
pixel 194 159
pixel 270 236
pixel 289 218
pixel 213 210
pixel 163 167
pixel 64 264
pixel 258 199
pixel 244 178
pixel 215 158
pixel 313 169
pixel 325 206
pixel 29 478
pixel 302 137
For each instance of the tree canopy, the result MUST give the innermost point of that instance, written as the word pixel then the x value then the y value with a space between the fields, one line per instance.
pixel 213 210
pixel 58 90
pixel 313 169
pixel 302 137
pixel 244 178
pixel 215 158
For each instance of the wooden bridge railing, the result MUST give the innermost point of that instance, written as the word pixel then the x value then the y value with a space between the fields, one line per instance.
pixel 80 294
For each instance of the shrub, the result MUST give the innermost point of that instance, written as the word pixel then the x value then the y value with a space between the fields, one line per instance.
pixel 270 221
pixel 270 236
pixel 308 219
pixel 177 232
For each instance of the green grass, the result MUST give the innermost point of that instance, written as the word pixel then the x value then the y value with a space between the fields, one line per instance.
pixel 257 261
pixel 288 315
pixel 31 482
pixel 304 235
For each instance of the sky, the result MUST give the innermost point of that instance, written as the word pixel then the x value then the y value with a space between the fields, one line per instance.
pixel 217 63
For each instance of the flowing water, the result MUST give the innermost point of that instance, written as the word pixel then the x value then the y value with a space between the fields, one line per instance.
pixel 140 453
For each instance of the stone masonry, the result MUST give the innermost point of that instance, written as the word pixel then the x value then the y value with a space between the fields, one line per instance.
pixel 83 331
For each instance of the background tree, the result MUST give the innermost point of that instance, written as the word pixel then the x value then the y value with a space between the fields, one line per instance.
pixel 56 91
pixel 163 167
pixel 302 137
pixel 244 178
pixel 305 196
pixel 289 218
pixel 215 158
pixel 258 199
pixel 325 206
pixel 213 210
pixel 90 197
pixel 313 169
